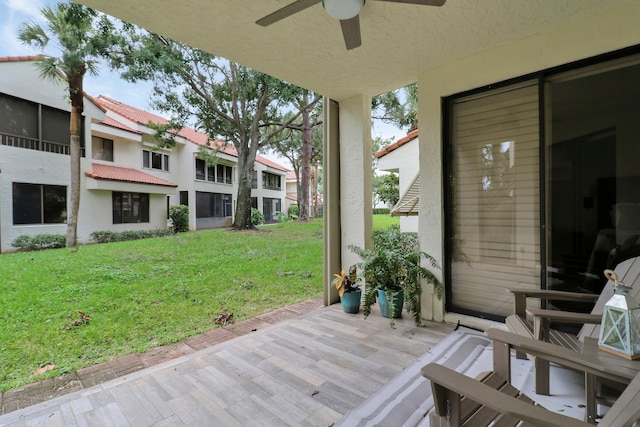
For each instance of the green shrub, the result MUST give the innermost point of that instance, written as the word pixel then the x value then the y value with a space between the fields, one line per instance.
pixel 381 211
pixel 293 212
pixel 107 236
pixel 256 217
pixel 179 216
pixel 39 242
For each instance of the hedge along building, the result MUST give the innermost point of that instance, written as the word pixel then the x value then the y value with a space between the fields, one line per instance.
pixel 527 148
pixel 126 183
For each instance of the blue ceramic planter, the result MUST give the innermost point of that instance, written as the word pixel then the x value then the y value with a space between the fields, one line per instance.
pixel 351 301
pixel 384 304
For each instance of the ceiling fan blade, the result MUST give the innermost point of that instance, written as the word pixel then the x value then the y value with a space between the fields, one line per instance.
pixel 295 7
pixel 420 2
pixel 351 32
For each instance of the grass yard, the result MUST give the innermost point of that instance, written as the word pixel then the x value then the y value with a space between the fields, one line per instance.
pixel 382 222
pixel 141 294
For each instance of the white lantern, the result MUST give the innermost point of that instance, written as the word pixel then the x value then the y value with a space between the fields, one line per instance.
pixel 620 328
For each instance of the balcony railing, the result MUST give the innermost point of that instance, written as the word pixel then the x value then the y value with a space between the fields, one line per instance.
pixel 271 187
pixel 35 144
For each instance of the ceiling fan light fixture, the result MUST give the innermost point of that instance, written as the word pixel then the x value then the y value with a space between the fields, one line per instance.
pixel 343 9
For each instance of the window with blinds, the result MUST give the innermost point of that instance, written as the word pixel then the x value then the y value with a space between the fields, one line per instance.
pixel 495 198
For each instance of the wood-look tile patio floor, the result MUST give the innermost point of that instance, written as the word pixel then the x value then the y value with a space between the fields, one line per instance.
pixel 306 370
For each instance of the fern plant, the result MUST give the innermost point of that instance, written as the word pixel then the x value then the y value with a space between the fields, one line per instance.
pixel 394 265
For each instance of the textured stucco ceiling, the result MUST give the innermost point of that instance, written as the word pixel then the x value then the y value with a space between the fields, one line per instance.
pixel 398 40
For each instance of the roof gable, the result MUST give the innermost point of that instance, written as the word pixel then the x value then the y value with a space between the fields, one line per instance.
pixel 399 143
pixel 270 163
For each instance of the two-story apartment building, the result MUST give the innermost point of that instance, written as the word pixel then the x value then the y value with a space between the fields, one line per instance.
pixel 127 183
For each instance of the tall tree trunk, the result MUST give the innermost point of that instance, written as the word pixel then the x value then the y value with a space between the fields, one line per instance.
pixel 305 175
pixel 77 107
pixel 242 220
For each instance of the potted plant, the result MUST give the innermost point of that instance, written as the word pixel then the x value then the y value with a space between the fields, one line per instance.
pixel 392 273
pixel 348 289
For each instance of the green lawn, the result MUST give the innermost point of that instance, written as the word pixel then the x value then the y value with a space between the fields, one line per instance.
pixel 145 293
pixel 382 222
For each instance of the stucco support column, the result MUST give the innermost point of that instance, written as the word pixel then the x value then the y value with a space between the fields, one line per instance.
pixel 331 197
pixel 430 222
pixel 356 209
pixel 347 197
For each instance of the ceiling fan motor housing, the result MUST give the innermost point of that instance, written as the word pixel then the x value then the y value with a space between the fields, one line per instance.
pixel 343 9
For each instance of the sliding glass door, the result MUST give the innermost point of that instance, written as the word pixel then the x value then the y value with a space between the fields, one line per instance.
pixel 543 185
pixel 495 197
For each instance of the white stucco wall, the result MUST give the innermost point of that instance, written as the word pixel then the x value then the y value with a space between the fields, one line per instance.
pixel 570 40
pixel 404 160
pixel 22 80
pixel 355 176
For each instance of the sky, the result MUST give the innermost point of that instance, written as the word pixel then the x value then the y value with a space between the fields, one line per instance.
pixel 14 13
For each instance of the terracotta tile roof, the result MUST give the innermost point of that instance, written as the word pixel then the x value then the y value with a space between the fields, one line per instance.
pixel 270 163
pixel 19 58
pixel 144 117
pixel 132 113
pixel 291 175
pixel 290 197
pixel 399 143
pixel 114 173
pixel 202 138
pixel 110 121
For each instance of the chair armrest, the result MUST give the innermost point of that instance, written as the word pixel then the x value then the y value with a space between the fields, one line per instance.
pixel 542 319
pixel 445 380
pixel 521 295
pixel 565 316
pixel 557 295
pixel 590 364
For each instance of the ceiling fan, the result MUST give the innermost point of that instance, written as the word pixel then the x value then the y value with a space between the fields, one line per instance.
pixel 347 11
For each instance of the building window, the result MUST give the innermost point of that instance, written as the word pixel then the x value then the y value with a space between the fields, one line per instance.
pixel 254 181
pixel 184 198
pixel 130 207
pixel 200 169
pixel 213 205
pixel 34 126
pixel 271 181
pixel 155 160
pixel 224 174
pixel 102 149
pixel 228 176
pixel 270 207
pixel 39 204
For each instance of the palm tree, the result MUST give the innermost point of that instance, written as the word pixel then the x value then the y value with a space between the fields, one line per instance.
pixel 82 36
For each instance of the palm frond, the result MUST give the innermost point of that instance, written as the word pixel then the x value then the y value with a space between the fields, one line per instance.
pixel 32 34
pixel 49 69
